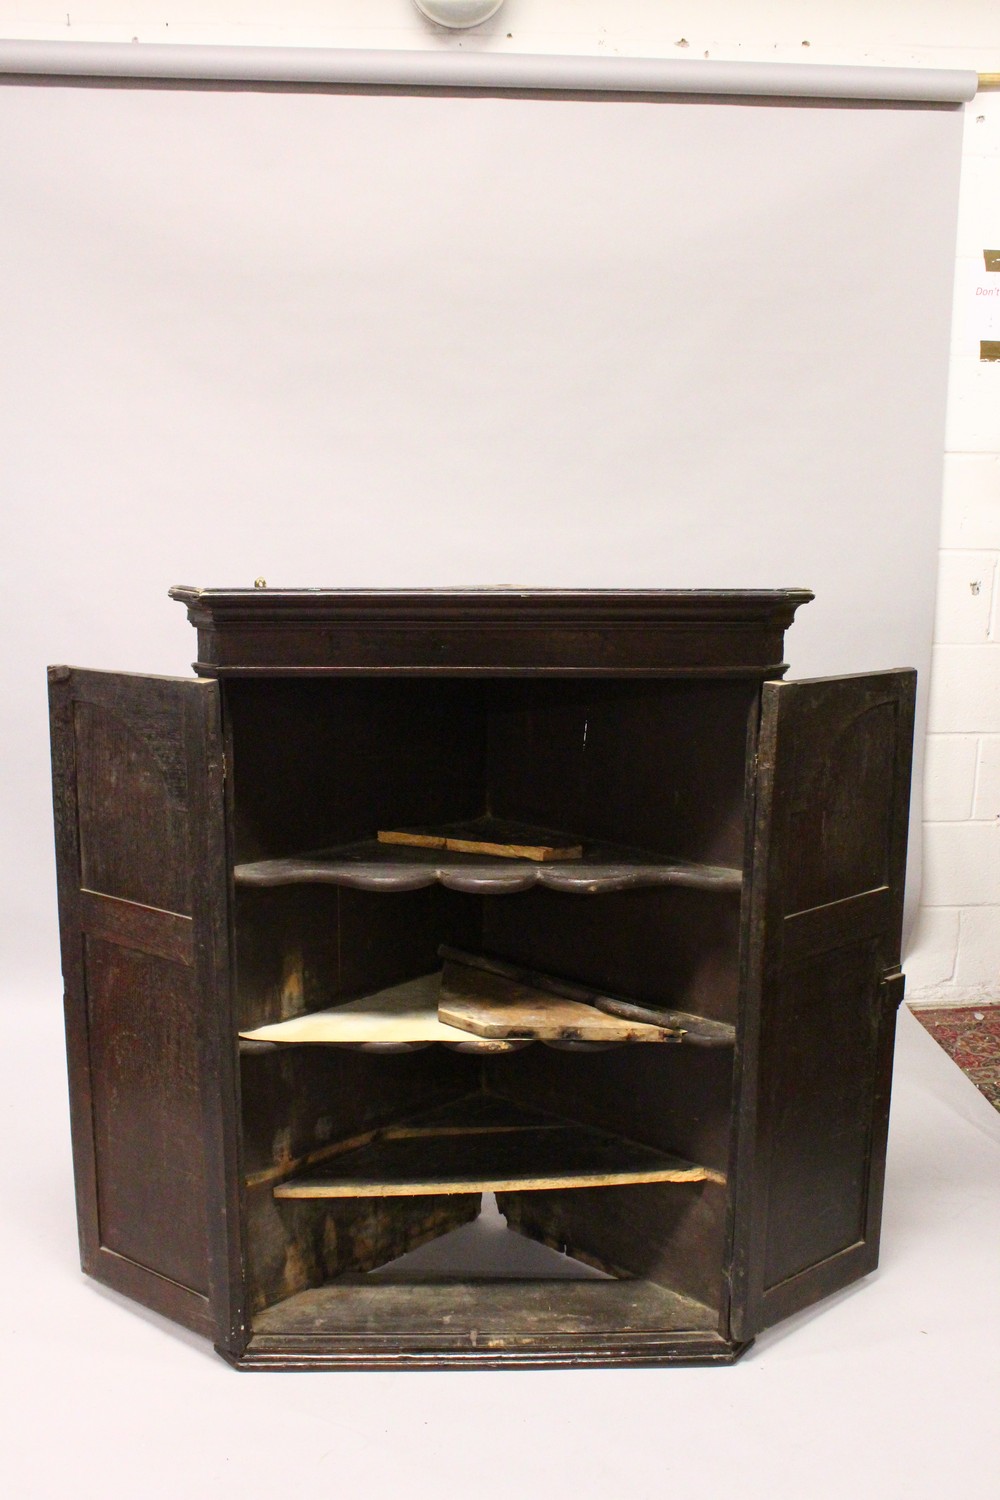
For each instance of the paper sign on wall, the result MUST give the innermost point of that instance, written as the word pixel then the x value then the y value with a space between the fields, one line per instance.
pixel 983 305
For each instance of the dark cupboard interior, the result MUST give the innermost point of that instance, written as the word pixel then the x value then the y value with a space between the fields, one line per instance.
pixel 650 768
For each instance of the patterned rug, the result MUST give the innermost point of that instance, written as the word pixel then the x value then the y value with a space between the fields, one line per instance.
pixel 971 1037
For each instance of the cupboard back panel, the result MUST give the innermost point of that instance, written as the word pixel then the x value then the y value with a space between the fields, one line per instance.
pixel 300 1100
pixel 672 1234
pixel 295 1246
pixel 386 939
pixel 655 765
pixel 658 766
pixel 674 1097
pixel 674 948
pixel 302 948
pixel 320 763
pixel 296 1103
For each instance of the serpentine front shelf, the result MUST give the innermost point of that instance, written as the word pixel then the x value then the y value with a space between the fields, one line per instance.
pixel 371 866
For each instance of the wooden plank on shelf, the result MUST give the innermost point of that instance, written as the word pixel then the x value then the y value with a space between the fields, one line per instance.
pixel 490 836
pixel 494 998
pixel 463 1153
pixel 493 1005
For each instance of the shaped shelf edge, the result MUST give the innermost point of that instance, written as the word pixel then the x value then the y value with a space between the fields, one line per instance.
pixel 371 866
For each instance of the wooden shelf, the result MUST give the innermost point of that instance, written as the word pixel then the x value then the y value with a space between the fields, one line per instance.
pixel 403 1015
pixel 482 1144
pixel 450 1309
pixel 472 1010
pixel 377 866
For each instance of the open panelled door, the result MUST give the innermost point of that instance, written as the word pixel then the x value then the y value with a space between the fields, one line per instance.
pixel 140 844
pixel 833 782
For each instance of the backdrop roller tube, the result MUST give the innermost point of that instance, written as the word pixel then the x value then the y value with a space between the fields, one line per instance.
pixel 483 70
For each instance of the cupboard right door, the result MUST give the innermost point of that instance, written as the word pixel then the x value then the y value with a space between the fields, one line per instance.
pixel 821 991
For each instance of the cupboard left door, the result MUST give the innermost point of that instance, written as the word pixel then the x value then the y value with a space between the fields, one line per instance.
pixel 138 786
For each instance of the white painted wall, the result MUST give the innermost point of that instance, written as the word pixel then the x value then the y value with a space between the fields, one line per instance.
pixel 955 952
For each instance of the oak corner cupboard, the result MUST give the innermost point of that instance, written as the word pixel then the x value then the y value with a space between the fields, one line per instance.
pixel 564 903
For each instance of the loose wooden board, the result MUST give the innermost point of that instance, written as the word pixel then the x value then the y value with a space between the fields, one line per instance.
pixel 493 836
pixel 490 1005
pixel 496 998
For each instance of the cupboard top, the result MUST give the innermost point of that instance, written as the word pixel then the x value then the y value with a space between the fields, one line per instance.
pixel 508 631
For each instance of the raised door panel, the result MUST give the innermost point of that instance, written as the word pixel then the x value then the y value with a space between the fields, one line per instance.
pixel 822 955
pixel 138 789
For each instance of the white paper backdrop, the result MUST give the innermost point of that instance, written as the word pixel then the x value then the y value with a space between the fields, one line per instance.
pixel 403 340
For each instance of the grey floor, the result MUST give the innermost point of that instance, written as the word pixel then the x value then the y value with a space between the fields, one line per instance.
pixel 890 1390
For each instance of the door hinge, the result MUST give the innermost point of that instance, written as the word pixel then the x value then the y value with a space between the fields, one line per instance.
pixel 893 987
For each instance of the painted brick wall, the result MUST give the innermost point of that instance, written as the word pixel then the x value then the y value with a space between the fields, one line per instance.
pixel 954 951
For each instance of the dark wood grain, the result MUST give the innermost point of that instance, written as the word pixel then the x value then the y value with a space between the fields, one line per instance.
pixel 297 1100
pixel 742 858
pixel 469 1324
pixel 302 948
pixel 300 1245
pixel 67 842
pixel 547 1347
pixel 673 948
pixel 521 1151
pixel 649 766
pixel 494 1311
pixel 191 1309
pixel 317 763
pixel 491 630
pixel 132 797
pixel 297 1104
pixel 166 934
pixel 671 1236
pixel 494 998
pixel 656 766
pixel 675 1099
pixel 143 1022
pixel 137 777
pixel 371 866
pixel 823 953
